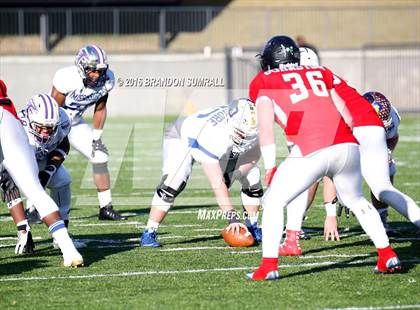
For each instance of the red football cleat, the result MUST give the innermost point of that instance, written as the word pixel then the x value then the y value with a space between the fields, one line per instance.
pixel 291 246
pixel 266 271
pixel 388 261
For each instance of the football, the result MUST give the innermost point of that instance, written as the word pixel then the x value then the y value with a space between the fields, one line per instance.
pixel 242 239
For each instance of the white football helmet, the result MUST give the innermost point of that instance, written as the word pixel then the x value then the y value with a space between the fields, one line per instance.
pixel 308 57
pixel 242 120
pixel 92 58
pixel 44 116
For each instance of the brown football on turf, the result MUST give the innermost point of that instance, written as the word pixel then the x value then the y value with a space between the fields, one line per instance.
pixel 242 239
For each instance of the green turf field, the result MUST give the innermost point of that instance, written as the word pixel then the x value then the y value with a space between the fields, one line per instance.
pixel 195 269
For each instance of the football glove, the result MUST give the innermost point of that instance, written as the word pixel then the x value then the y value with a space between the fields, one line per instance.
pixel 46 175
pixel 25 243
pixel 9 190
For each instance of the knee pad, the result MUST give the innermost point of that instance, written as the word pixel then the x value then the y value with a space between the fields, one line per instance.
pixel 168 193
pixel 100 168
pixel 62 197
pixel 251 196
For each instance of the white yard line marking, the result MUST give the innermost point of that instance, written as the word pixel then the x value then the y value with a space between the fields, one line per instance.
pixel 109 224
pixel 378 308
pixel 196 249
pixel 15 238
pixel 168 272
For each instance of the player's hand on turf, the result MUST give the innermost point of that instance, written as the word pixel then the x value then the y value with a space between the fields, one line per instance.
pixel 269 174
pixel 24 243
pixel 331 229
pixel 235 228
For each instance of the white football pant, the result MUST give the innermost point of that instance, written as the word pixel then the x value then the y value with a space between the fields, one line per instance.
pixel 80 137
pixel 375 170
pixel 21 164
pixel 296 174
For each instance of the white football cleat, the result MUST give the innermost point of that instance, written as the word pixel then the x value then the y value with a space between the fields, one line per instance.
pixel 74 261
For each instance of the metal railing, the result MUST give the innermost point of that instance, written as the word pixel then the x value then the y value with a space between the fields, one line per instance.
pixel 193 28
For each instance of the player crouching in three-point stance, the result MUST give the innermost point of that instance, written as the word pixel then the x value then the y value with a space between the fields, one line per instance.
pixel 47 127
pixel 19 161
pixel 299 99
pixel 76 88
pixel 224 140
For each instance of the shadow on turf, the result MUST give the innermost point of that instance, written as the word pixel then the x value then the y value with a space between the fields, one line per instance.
pixel 18 267
pixel 194 240
pixel 143 211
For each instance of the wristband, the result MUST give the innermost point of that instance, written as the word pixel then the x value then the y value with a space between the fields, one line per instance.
pixel 331 208
pixel 268 153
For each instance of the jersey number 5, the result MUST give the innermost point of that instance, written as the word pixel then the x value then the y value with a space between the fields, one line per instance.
pixel 315 81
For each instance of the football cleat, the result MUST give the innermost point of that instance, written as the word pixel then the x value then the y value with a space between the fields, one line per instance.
pixel 389 266
pixel 260 276
pixel 108 213
pixel 291 246
pixel 304 236
pixel 149 239
pixel 74 261
pixel 256 232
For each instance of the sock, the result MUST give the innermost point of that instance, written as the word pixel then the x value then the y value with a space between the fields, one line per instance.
pixel 152 225
pixel 61 236
pixel 104 198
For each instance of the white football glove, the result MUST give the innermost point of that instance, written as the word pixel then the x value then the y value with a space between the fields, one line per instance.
pixel 25 243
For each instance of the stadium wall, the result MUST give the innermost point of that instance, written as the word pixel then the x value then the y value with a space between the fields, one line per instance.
pixel 182 83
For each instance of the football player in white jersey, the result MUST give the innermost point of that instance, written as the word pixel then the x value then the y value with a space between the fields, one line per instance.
pixel 19 161
pixel 51 147
pixel 224 141
pixel 76 88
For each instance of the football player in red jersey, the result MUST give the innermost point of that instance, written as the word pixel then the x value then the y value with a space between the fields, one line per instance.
pixel 301 99
pixel 19 161
pixel 377 181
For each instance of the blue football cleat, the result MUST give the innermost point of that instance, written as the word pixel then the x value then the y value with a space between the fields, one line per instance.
pixel 256 232
pixel 149 239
